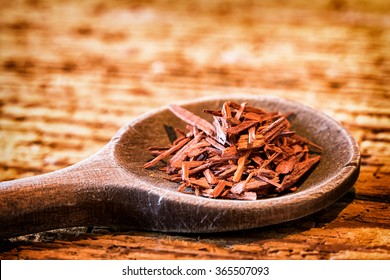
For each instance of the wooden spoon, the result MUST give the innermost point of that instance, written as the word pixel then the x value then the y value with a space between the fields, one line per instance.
pixel 111 188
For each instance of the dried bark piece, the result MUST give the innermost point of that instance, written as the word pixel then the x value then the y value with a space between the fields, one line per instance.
pixel 297 149
pixel 217 113
pixel 286 166
pixel 239 187
pixel 219 188
pixel 178 139
pixel 258 160
pixel 215 143
pixel 207 193
pixel 220 130
pixel 213 152
pixel 226 112
pixel 156 153
pixel 185 171
pixel 247 108
pixel 269 160
pixel 209 175
pixel 243 196
pixel 270 181
pixel 240 166
pixel 196 190
pixel 197 148
pixel 299 170
pixel 183 186
pixel 277 127
pixel 241 127
pixel 180 156
pixel 201 167
pixel 227 172
pixel 240 111
pixel 256 185
pixel 192 119
pixel 243 142
pixel 229 151
pixel 202 182
pixel 167 153
pixel 253 117
pixel 265 172
pixel 251 135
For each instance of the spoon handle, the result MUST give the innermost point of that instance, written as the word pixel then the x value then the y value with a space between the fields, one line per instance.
pixel 74 196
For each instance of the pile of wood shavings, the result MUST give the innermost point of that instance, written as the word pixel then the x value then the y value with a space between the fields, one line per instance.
pixel 246 153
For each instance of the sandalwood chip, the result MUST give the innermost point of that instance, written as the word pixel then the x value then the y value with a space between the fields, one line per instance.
pixel 245 153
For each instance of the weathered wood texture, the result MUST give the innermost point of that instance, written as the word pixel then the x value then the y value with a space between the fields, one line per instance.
pixel 71 73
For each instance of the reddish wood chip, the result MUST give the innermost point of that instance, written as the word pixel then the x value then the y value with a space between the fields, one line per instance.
pixel 219 188
pixel 192 119
pixel 243 196
pixel 241 165
pixel 167 153
pixel 299 170
pixel 210 177
pixel 286 166
pixel 229 151
pixel 241 127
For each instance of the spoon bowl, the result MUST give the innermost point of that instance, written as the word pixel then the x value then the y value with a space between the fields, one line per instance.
pixel 111 188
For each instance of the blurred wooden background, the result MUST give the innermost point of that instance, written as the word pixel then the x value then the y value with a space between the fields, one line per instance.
pixel 73 72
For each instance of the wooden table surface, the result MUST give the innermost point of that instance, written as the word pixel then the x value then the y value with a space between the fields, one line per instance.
pixel 73 72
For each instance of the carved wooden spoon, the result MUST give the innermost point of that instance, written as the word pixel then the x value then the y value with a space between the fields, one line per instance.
pixel 111 188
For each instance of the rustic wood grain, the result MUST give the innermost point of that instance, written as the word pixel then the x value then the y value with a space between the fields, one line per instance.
pixel 72 73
